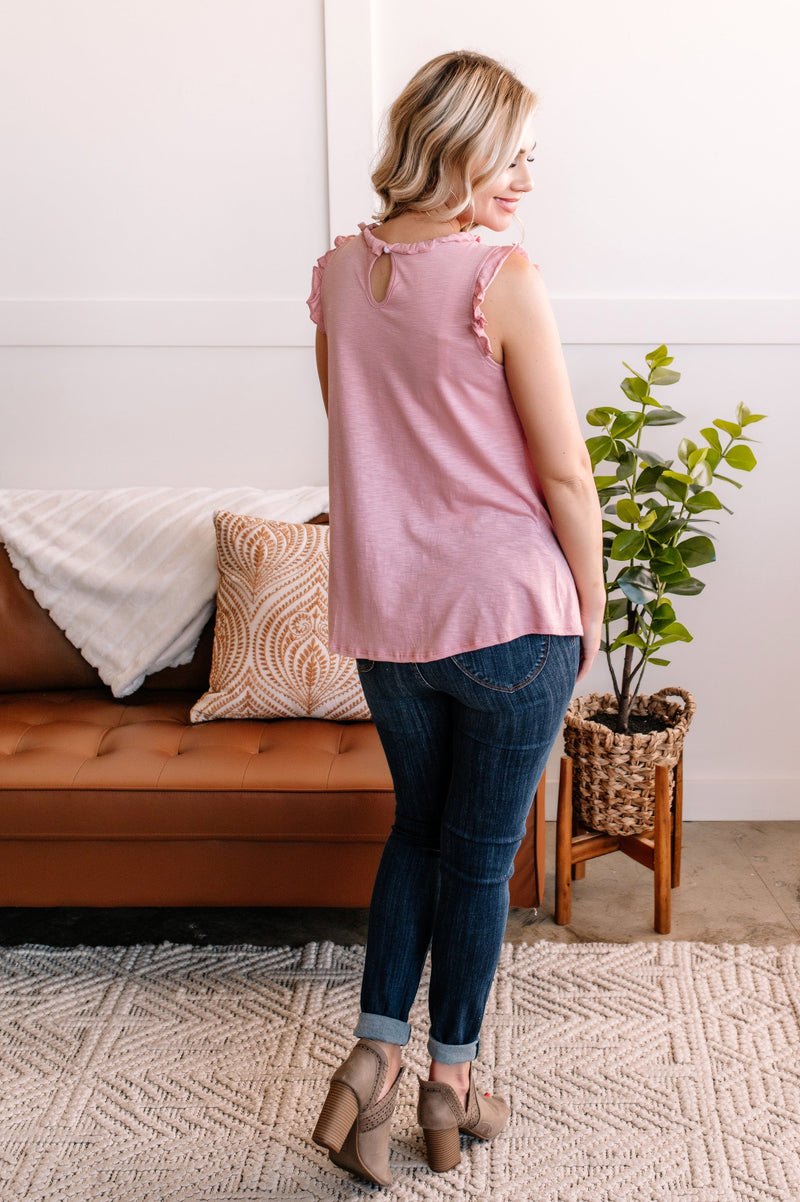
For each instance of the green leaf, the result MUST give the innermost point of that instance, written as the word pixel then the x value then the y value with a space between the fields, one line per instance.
pixel 713 457
pixel 675 633
pixel 662 663
pixel 697 551
pixel 636 583
pixel 663 512
pixel 673 486
pixel 711 437
pixel 668 531
pixel 685 448
pixel 745 418
pixel 663 417
pixel 628 640
pixel 669 579
pixel 604 481
pixel 647 479
pixel 626 425
pixel 697 455
pixel 702 473
pixel 663 375
pixel 669 574
pixel 703 500
pixel 728 480
pixel 602 416
pixel 648 520
pixel 600 448
pixel 696 528
pixel 741 458
pixel 667 560
pixel 627 465
pixel 608 494
pixel 729 427
pixel 653 460
pixel 628 511
pixel 658 356
pixel 635 388
pixel 686 588
pixel 616 608
pixel 663 616
pixel 627 545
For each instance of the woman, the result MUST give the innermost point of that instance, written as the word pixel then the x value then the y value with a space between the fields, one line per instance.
pixel 466 573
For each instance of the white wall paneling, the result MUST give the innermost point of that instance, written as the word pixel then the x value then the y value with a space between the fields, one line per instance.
pixel 173 168
pixel 167 172
pixel 147 203
pixel 349 116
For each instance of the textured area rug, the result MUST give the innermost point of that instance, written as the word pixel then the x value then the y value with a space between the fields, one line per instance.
pixel 641 1071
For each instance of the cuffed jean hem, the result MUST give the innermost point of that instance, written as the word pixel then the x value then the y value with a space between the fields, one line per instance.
pixel 451 1053
pixel 378 1026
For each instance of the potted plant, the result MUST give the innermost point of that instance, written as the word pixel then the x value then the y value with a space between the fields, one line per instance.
pixel 657 512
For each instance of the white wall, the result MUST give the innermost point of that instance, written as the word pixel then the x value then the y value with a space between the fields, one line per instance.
pixel 164 190
pixel 173 167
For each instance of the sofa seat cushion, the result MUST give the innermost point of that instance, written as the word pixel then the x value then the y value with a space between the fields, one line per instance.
pixel 86 740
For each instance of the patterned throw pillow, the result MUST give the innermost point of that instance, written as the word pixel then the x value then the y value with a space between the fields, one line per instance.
pixel 271 658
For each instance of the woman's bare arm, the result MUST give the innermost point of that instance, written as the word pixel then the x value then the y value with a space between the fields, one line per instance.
pixel 322 365
pixel 523 332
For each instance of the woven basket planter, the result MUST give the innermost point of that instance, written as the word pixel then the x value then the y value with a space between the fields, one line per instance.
pixel 613 775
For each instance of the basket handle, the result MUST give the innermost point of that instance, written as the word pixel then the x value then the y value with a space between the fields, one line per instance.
pixel 689 703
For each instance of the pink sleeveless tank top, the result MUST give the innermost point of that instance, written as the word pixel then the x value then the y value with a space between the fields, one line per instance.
pixel 440 537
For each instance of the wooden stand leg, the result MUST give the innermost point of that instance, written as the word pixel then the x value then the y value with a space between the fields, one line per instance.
pixel 677 824
pixel 662 840
pixel 564 844
pixel 579 869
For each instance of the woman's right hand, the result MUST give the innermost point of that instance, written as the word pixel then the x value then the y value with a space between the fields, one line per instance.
pixel 592 620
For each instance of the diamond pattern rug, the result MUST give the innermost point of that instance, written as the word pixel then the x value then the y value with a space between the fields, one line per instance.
pixel 634 1071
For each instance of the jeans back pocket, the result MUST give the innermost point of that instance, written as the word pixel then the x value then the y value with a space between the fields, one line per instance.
pixel 506 667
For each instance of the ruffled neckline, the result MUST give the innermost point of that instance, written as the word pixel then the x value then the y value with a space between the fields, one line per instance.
pixel 378 247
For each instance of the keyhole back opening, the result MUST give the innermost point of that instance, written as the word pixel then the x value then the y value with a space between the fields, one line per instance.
pixel 380 277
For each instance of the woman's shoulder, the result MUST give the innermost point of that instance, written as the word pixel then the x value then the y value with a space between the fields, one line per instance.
pixel 509 271
pixel 504 269
pixel 514 292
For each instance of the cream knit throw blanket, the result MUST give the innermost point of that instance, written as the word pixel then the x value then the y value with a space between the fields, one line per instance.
pixel 129 574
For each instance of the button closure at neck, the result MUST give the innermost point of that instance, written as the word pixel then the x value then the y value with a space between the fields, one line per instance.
pixel 378 247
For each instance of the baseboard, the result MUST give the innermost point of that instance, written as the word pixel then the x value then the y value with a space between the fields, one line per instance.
pixel 723 800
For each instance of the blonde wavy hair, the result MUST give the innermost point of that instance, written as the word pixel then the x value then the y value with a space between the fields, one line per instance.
pixel 456 125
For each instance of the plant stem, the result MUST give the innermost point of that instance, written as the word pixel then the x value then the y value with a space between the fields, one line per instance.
pixel 624 699
pixel 610 662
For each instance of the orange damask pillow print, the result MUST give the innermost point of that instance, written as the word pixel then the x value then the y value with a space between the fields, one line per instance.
pixel 271 657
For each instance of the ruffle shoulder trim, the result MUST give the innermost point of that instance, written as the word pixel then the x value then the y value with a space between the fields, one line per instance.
pixel 314 301
pixel 488 271
pixel 377 246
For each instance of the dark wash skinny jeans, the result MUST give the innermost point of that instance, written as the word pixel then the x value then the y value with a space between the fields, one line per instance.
pixel 467 739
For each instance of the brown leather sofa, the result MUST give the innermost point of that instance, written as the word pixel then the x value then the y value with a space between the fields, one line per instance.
pixel 108 802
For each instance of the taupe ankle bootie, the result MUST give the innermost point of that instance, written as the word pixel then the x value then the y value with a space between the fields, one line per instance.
pixel 442 1116
pixel 352 1125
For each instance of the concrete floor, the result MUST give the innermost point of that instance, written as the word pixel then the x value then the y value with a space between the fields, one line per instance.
pixel 740 883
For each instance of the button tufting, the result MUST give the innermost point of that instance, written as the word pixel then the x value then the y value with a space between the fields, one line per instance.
pixel 157 748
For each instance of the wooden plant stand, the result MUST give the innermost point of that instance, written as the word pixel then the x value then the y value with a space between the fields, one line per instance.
pixel 659 849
